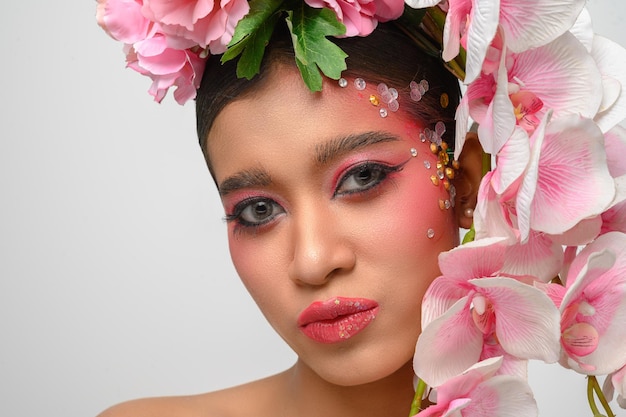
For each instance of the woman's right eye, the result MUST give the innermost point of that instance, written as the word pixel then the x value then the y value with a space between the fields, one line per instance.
pixel 255 212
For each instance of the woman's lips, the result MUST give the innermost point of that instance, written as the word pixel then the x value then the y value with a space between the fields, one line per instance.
pixel 337 319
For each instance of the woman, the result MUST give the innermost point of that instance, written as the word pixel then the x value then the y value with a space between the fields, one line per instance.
pixel 330 214
pixel 340 201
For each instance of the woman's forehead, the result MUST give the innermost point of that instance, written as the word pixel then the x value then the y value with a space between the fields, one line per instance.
pixel 285 118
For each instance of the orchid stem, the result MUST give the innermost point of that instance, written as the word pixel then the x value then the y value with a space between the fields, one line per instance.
pixel 590 398
pixel 602 398
pixel 416 404
pixel 594 388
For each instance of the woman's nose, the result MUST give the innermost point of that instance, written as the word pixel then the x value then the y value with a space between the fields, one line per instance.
pixel 320 249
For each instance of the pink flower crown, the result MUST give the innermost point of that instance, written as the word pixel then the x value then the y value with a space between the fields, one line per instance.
pixel 545 277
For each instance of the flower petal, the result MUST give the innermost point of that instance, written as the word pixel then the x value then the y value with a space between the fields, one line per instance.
pixel 527 322
pixel 499 122
pixel 563 75
pixel 533 23
pixel 539 257
pixel 583 30
pixel 611 60
pixel 485 16
pixel 480 258
pixel 421 4
pixel 573 179
pixel 502 396
pixel 512 161
pixel 448 345
pixel 526 193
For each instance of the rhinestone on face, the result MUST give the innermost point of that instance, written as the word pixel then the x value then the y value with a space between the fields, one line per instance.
pixel 413 152
pixel 360 84
pixel 427 164
pixel 383 112
pixel 430 233
pixel 343 83
pixel 386 96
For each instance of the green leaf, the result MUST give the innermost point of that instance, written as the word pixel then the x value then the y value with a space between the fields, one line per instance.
pixel 260 11
pixel 259 21
pixel 252 55
pixel 309 28
pixel 311 75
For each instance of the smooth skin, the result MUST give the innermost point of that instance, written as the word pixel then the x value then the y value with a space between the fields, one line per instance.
pixel 324 200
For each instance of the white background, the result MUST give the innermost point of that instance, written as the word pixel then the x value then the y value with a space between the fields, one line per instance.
pixel 115 281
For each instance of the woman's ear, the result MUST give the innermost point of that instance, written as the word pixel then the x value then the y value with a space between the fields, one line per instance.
pixel 468 179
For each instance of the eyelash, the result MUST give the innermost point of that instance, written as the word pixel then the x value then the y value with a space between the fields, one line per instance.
pixel 381 170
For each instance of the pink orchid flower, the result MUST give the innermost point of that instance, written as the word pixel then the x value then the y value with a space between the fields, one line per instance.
pixel 361 16
pixel 593 307
pixel 558 187
pixel 479 392
pixel 616 382
pixel 566 182
pixel 561 77
pixel 472 309
pixel 208 23
pixel 474 23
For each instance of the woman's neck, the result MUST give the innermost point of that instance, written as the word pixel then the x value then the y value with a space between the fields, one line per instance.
pixel 310 395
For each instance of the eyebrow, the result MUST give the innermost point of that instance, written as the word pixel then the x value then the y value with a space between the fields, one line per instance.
pixel 324 154
pixel 249 178
pixel 338 147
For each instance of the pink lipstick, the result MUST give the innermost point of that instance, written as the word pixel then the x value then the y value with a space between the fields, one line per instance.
pixel 337 319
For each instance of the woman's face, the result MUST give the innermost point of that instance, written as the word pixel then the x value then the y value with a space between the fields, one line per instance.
pixel 328 218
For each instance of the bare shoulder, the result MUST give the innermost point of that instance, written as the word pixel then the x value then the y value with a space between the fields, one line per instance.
pixel 187 406
pixel 229 402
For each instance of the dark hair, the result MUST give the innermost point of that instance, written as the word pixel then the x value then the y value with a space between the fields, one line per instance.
pixel 387 55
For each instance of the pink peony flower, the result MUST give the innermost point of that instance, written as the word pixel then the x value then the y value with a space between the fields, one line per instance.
pixel 123 20
pixel 479 392
pixel 472 311
pixel 167 67
pixel 206 22
pixel 170 61
pixel 361 16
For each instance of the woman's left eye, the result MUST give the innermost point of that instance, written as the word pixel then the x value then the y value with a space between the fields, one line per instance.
pixel 364 177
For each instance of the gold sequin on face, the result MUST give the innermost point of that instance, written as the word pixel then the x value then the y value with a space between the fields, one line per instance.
pixel 444 100
pixel 374 100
